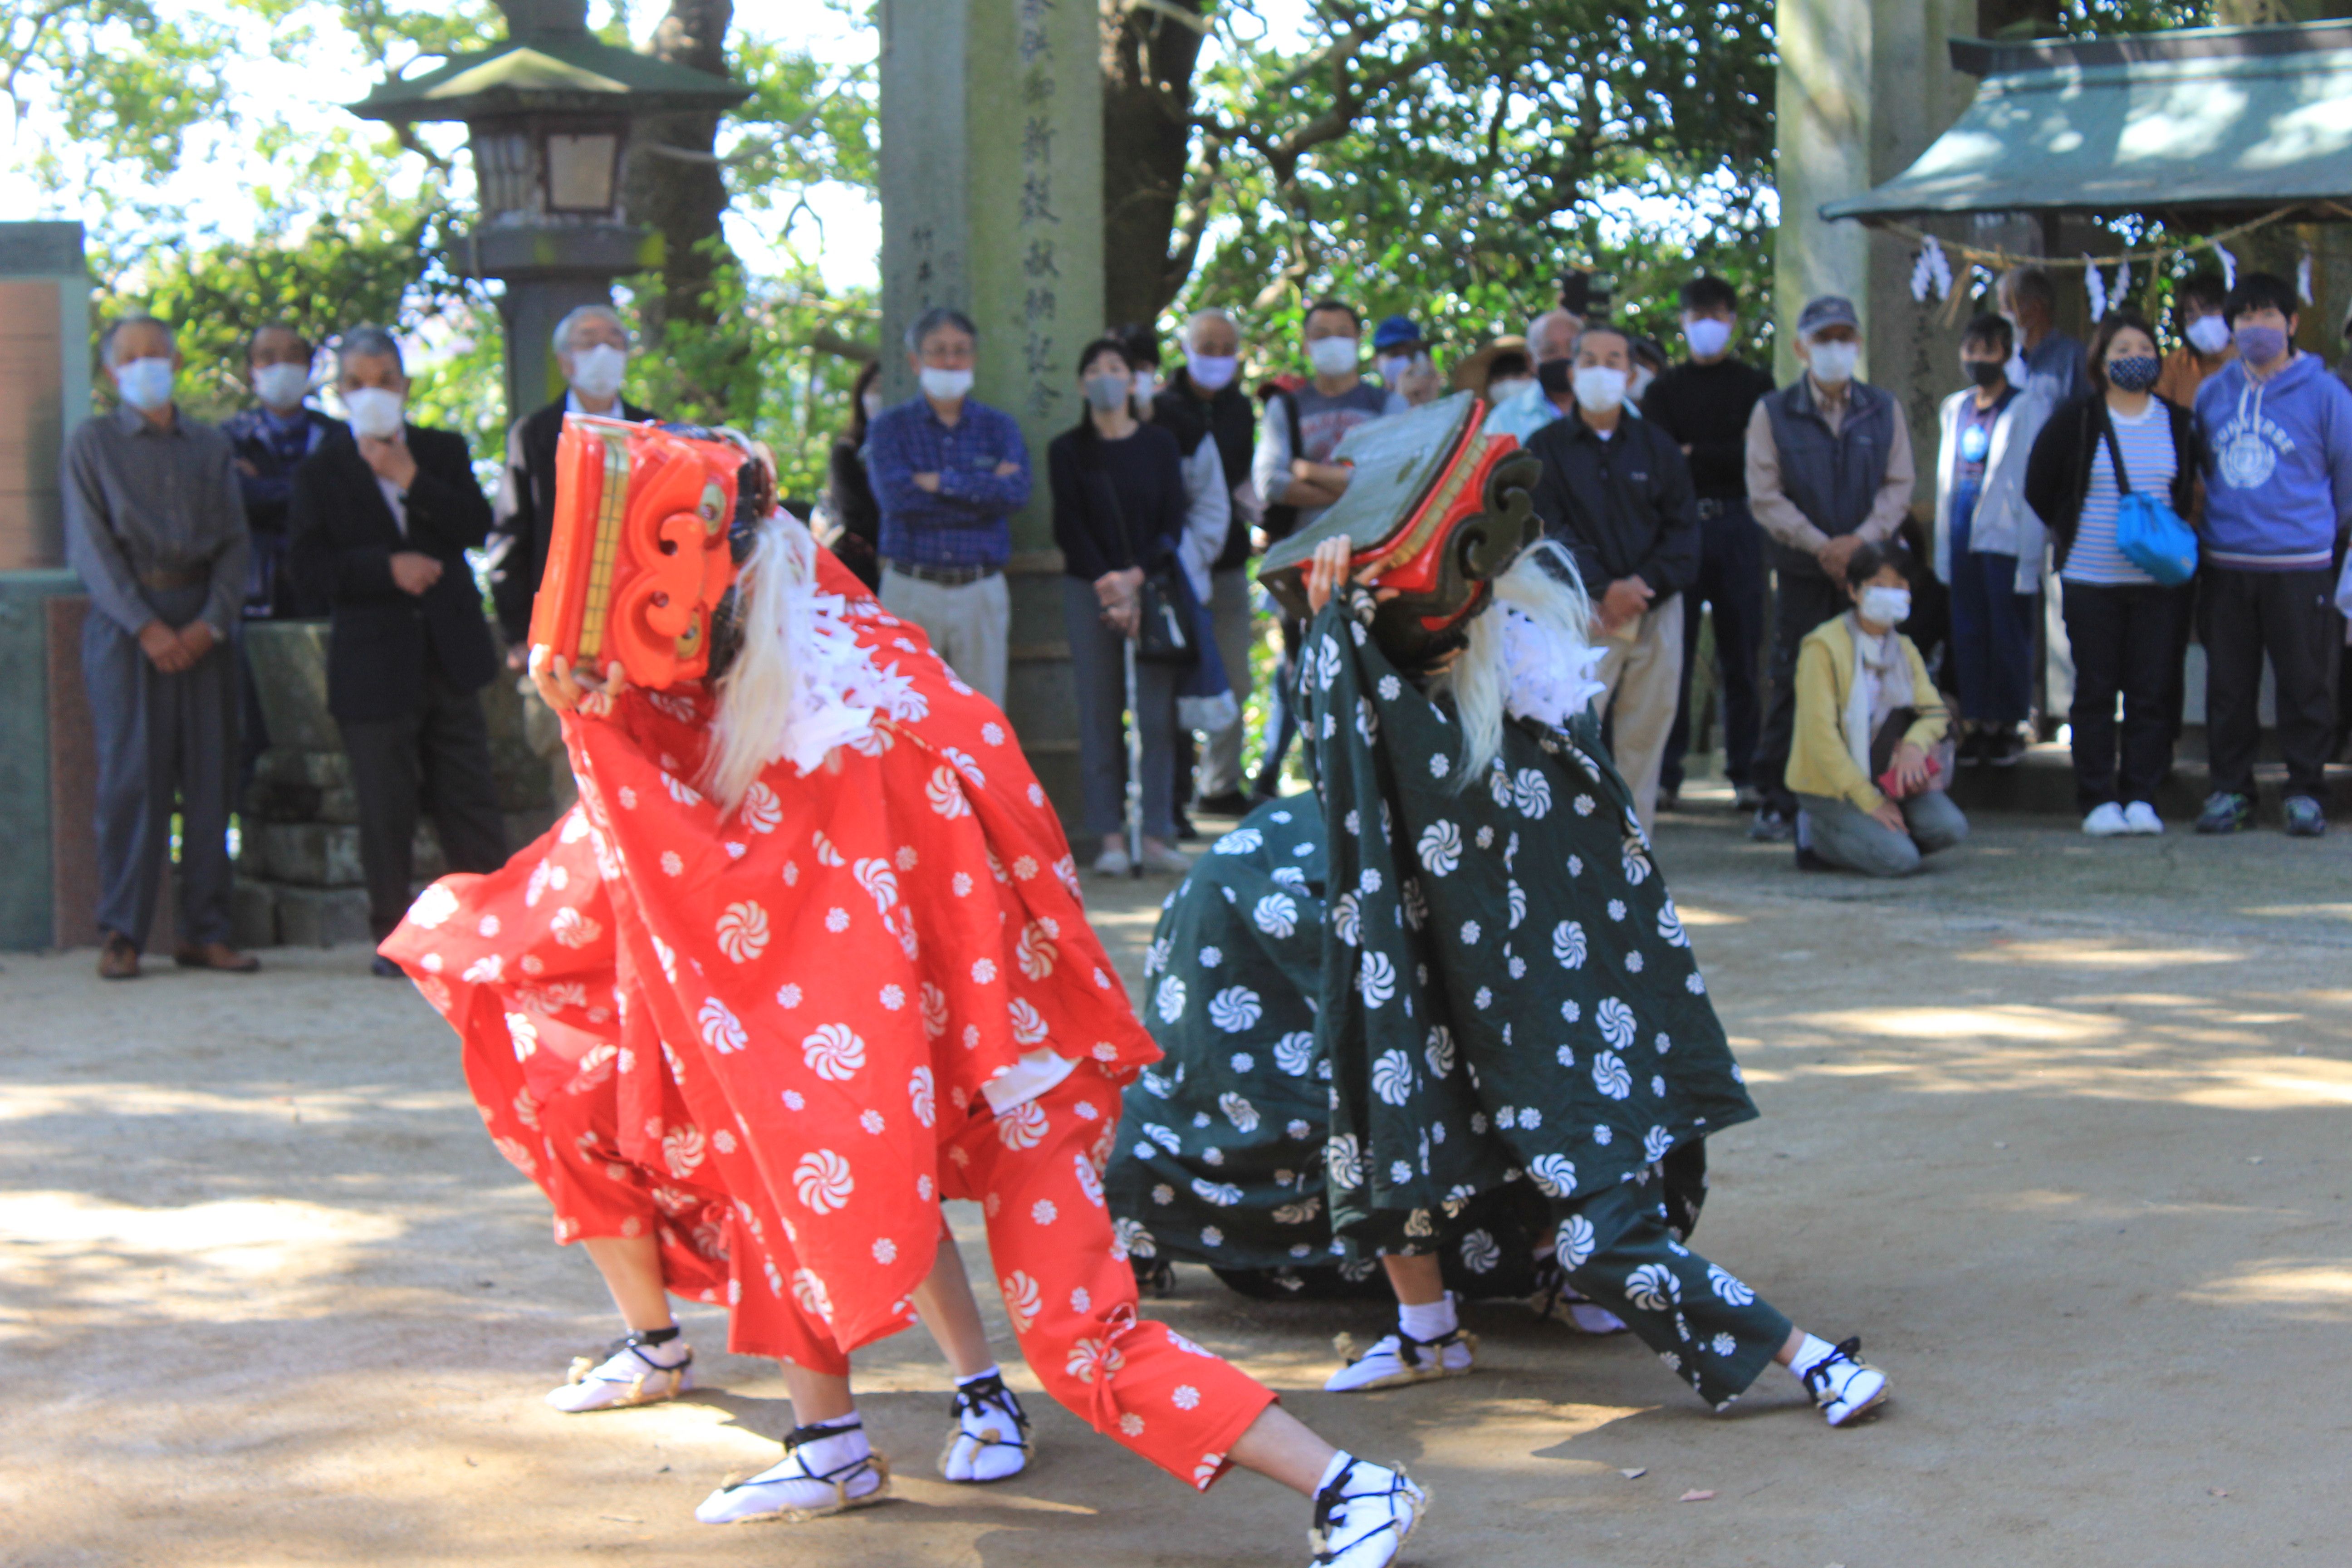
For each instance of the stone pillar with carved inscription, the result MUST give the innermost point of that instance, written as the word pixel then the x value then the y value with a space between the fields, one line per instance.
pixel 991 203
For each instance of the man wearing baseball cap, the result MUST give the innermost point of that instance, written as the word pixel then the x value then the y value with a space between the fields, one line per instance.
pixel 1828 470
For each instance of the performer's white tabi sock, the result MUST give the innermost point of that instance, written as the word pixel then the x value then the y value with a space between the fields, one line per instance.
pixel 1431 1320
pixel 990 1440
pixel 828 1466
pixel 1363 1513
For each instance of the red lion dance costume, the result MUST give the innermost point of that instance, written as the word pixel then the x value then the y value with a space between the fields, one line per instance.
pixel 780 1032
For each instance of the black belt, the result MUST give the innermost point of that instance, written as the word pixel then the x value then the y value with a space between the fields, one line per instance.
pixel 950 576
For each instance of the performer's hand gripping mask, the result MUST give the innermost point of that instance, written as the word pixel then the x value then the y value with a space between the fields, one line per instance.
pixel 644 545
pixel 1436 509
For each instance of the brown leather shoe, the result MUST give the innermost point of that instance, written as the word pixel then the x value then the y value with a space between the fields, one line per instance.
pixel 117 959
pixel 216 955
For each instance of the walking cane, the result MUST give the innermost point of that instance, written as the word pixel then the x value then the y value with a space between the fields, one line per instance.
pixel 1134 728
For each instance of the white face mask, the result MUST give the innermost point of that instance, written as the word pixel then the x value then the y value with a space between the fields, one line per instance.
pixel 596 371
pixel 2017 371
pixel 1392 367
pixel 1642 380
pixel 1212 373
pixel 1146 384
pixel 1332 356
pixel 1885 606
pixel 1598 387
pixel 1707 336
pixel 1834 362
pixel 947 385
pixel 1497 391
pixel 145 383
pixel 281 385
pixel 872 402
pixel 2208 334
pixel 375 413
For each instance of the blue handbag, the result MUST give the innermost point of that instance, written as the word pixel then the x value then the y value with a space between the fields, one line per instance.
pixel 2150 534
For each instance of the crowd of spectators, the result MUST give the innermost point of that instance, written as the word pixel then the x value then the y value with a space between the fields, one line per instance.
pixel 1692 491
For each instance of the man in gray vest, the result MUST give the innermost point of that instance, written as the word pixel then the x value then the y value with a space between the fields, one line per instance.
pixel 1828 470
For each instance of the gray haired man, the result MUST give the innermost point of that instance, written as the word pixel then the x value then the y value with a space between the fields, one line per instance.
pixel 949 473
pixel 155 528
pixel 156 532
pixel 591 348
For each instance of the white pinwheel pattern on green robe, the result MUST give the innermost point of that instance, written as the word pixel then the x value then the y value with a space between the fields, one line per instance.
pixel 1509 990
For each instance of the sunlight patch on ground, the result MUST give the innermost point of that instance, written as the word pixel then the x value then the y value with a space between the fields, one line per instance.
pixel 1692 916
pixel 2042 1024
pixel 2096 953
pixel 2296 911
pixel 2317 1283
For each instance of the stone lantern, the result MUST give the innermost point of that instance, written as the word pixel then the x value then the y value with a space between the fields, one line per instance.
pixel 550 113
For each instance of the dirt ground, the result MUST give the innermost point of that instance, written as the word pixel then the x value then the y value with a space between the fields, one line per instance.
pixel 2059 1130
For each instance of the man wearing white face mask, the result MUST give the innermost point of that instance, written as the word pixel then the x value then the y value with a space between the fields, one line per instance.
pixel 949 472
pixel 1206 409
pixel 1704 404
pixel 592 349
pixel 1616 491
pixel 1295 475
pixel 1828 470
pixel 381 525
pixel 156 531
pixel 271 439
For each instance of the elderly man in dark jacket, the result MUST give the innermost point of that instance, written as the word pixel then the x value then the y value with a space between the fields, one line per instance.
pixel 1617 493
pixel 381 525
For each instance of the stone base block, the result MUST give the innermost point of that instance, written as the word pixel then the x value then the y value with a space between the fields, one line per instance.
pixel 322 917
pixel 302 786
pixel 253 915
pixel 306 854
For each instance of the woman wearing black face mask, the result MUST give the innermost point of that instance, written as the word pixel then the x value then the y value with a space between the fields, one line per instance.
pixel 1989 543
pixel 1119 508
pixel 2124 626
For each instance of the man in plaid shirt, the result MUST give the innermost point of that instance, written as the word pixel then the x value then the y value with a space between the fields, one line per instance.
pixel 948 473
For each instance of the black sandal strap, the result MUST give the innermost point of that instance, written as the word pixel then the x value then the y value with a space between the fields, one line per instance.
pixel 1817 1377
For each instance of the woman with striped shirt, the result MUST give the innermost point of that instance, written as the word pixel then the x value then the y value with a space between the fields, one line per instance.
pixel 2123 624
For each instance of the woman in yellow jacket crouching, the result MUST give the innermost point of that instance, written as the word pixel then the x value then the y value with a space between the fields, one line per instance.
pixel 1869 764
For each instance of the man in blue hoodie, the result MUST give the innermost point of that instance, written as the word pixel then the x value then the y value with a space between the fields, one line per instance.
pixel 2278 506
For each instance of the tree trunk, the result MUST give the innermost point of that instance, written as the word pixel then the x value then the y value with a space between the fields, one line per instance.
pixel 682 197
pixel 1146 63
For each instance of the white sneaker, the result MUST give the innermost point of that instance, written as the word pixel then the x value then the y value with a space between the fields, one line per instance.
pixel 2140 817
pixel 1398 1358
pixel 1161 860
pixel 990 1439
pixel 2105 821
pixel 632 1373
pixel 1363 1518
pixel 825 1471
pixel 1843 1386
pixel 1114 863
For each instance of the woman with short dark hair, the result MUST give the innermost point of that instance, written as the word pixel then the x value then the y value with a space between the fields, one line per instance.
pixel 854 518
pixel 2125 626
pixel 1118 511
pixel 1868 754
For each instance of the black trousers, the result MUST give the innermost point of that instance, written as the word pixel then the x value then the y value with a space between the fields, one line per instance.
pixel 1731 582
pixel 1282 715
pixel 2126 640
pixel 2286 616
pixel 1804 601
pixel 437 759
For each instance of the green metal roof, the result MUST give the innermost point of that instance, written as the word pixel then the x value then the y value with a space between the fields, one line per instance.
pixel 548 71
pixel 2206 120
